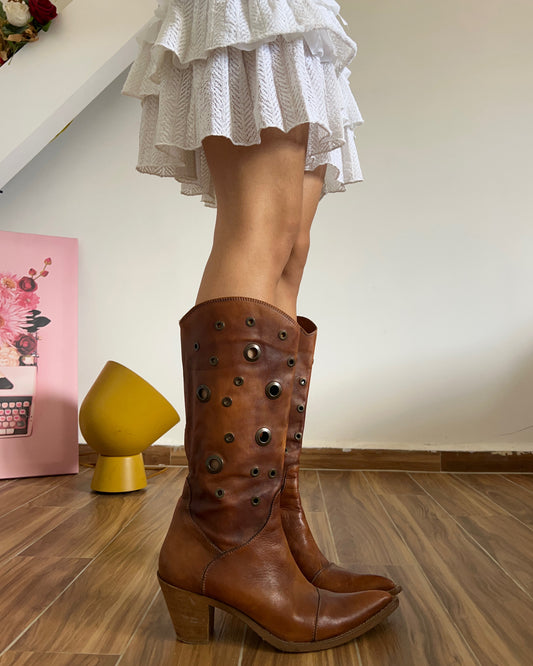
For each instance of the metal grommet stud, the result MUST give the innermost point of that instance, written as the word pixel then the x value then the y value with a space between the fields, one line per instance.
pixel 227 401
pixel 238 381
pixel 263 436
pixel 213 360
pixel 252 352
pixel 291 362
pixel 229 437
pixel 273 390
pixel 300 408
pixel 250 321
pixel 214 464
pixel 219 493
pixel 196 346
pixel 272 473
pixel 302 381
pixel 203 393
pixel 254 471
pixel 219 325
pixel 255 501
pixel 298 436
pixel 282 335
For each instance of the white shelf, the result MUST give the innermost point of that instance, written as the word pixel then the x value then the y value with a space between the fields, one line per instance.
pixel 48 82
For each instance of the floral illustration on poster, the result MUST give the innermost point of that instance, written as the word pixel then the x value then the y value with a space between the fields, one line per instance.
pixel 20 323
pixel 38 355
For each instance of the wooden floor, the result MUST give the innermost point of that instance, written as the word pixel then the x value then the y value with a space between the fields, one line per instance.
pixel 78 586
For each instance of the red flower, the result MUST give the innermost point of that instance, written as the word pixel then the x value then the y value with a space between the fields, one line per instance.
pixel 26 344
pixel 32 271
pixel 42 10
pixel 27 284
pixel 47 261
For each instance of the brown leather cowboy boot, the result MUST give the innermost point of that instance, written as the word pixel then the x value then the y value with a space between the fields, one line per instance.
pixel 314 565
pixel 225 547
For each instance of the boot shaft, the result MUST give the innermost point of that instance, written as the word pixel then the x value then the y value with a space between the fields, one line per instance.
pixel 239 358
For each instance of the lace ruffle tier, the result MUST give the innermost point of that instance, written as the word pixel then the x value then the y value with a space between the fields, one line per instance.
pixel 234 67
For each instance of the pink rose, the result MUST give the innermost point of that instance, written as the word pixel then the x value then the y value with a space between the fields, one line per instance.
pixel 27 284
pixel 26 344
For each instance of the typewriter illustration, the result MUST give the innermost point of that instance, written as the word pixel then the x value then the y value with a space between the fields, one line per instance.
pixel 17 391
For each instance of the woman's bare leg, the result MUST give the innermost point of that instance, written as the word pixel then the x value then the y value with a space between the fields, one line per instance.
pixel 260 194
pixel 289 283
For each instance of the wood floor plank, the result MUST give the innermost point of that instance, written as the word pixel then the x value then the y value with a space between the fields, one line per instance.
pixel 56 659
pixel 508 541
pixel 107 601
pixel 73 493
pixel 29 585
pixel 154 642
pixel 310 491
pixel 458 498
pixel 494 615
pixel 524 480
pixel 87 531
pixel 420 632
pixel 21 527
pixel 512 497
pixel 319 525
pixel 17 492
pixel 392 483
pixel 361 528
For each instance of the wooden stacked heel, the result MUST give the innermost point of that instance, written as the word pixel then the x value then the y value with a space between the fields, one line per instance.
pixel 191 614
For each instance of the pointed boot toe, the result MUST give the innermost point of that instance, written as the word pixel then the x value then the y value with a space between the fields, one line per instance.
pixel 337 579
pixel 351 614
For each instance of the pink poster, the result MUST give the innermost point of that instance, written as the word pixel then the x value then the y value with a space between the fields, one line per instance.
pixel 38 355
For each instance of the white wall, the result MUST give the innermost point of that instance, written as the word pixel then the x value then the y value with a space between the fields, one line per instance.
pixel 419 278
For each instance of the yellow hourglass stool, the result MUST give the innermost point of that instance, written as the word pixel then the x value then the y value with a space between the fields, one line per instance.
pixel 121 415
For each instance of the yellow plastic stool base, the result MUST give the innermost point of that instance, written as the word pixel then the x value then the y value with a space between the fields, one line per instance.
pixel 119 474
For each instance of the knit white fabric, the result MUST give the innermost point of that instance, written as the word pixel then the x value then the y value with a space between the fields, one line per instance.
pixel 233 67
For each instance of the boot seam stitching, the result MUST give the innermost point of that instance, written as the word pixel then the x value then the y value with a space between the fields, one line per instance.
pixel 317 613
pixel 243 299
pixel 321 570
pixel 242 545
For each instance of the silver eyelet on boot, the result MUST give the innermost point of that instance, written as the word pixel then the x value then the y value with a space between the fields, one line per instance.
pixel 238 381
pixel 227 401
pixel 203 393
pixel 229 437
pixel 263 436
pixel 252 352
pixel 273 390
pixel 254 471
pixel 214 464
pixel 255 501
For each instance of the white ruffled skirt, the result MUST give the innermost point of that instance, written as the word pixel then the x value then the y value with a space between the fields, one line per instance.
pixel 234 67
